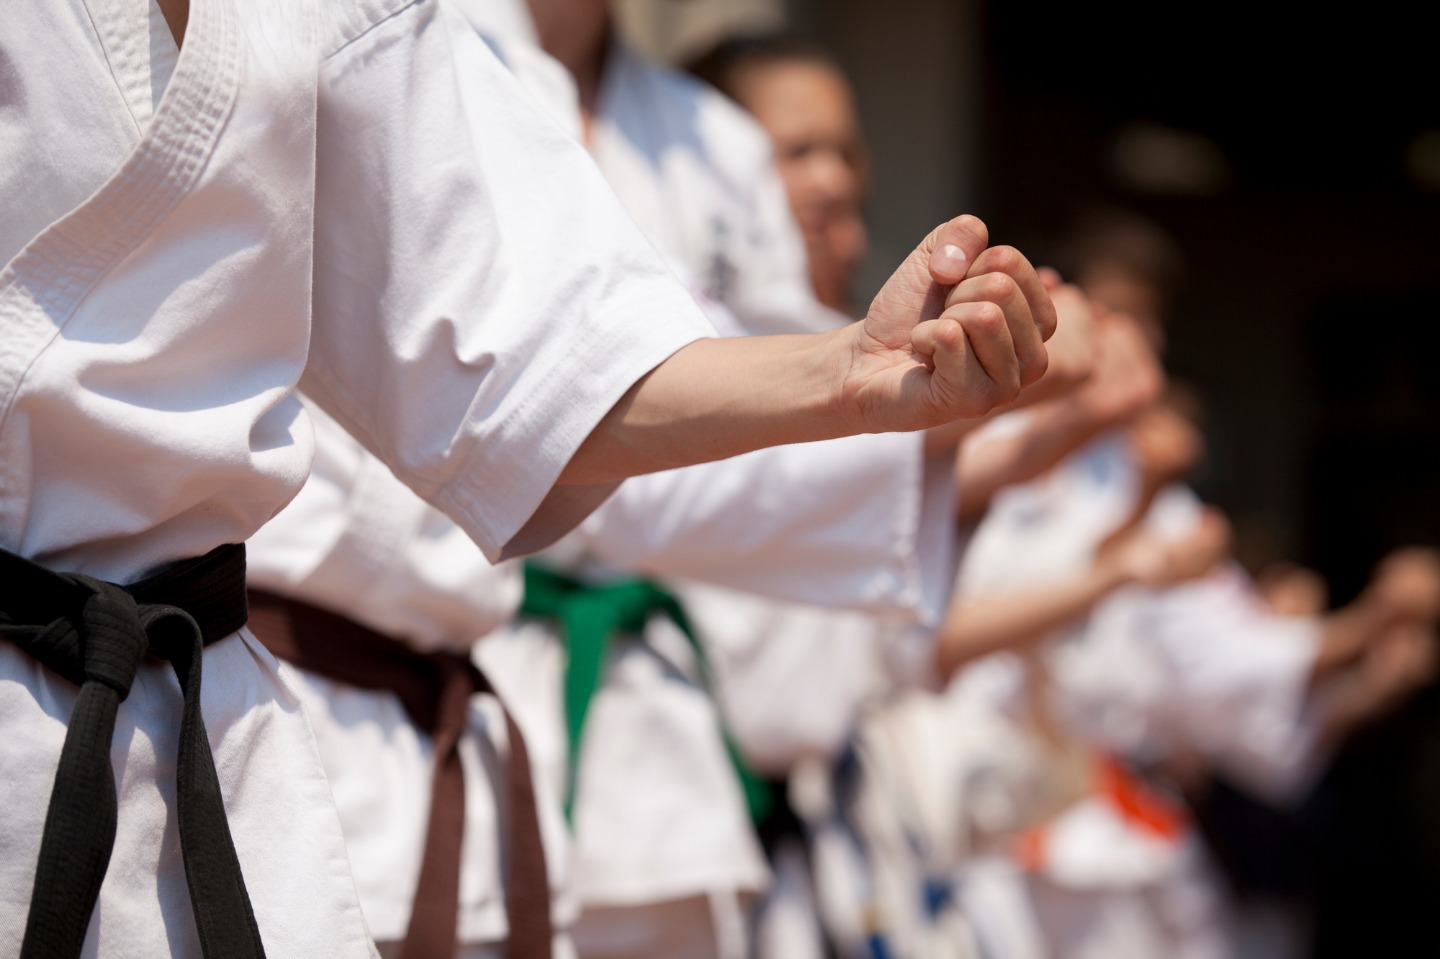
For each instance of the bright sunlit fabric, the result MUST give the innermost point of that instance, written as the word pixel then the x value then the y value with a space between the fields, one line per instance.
pixel 349 191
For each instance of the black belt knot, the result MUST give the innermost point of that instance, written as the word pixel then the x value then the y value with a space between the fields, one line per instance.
pixel 95 634
pixel 111 638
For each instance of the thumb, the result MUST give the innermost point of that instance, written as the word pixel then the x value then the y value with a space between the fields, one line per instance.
pixel 953 246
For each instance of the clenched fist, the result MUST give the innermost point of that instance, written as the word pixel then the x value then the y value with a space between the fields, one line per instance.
pixel 958 330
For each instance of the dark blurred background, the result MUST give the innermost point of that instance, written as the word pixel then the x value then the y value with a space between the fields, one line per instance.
pixel 1295 159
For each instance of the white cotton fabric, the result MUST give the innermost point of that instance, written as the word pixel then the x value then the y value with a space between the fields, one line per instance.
pixel 357 541
pixel 354 191
pixel 861 523
pixel 793 679
pixel 698 175
pixel 1201 666
pixel 858 523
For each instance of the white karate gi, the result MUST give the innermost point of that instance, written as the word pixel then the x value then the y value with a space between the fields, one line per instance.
pixel 1203 665
pixel 859 522
pixel 659 817
pixel 353 524
pixel 171 262
pixel 357 541
pixel 698 174
pixel 1200 666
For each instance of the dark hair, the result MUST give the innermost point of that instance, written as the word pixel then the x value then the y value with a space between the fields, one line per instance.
pixel 1112 236
pixel 721 65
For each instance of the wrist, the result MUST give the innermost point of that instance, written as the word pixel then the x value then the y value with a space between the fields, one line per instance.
pixel 830 358
pixel 1114 570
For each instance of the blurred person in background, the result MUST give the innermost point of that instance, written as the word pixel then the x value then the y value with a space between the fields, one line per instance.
pixel 803 100
pixel 664 850
pixel 1173 681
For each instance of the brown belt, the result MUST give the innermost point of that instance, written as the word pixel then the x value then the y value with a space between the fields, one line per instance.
pixel 435 689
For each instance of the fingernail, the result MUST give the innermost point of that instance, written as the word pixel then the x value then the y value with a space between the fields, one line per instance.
pixel 950 259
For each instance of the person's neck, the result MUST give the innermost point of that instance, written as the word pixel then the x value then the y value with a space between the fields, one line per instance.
pixel 578 35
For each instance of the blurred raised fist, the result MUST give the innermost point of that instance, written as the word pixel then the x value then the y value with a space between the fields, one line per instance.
pixel 1145 557
pixel 1291 590
pixel 1397 664
pixel 1074 349
pixel 1127 376
pixel 1165 446
pixel 1407 583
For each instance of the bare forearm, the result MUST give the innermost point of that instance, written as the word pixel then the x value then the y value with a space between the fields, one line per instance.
pixel 1053 433
pixel 716 399
pixel 991 624
pixel 1346 634
pixel 957 331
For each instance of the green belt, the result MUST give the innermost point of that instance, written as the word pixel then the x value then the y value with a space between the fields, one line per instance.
pixel 590 617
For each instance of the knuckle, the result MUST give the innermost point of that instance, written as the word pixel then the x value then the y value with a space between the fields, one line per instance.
pixel 986 319
pixel 952 336
pixel 998 288
pixel 1033 368
pixel 1010 388
pixel 1006 259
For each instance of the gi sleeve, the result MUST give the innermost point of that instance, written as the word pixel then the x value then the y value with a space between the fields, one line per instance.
pixel 863 523
pixel 480 298
pixel 1241 690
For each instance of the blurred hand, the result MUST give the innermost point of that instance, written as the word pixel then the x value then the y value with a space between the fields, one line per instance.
pixel 1407 583
pixel 1127 376
pixel 1399 663
pixel 1146 558
pixel 958 330
pixel 1073 350
pixel 1291 590
pixel 1165 446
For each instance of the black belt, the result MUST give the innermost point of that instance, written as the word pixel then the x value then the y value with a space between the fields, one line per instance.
pixel 95 634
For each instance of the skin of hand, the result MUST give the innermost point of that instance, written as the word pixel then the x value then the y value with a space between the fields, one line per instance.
pixel 1073 350
pixel 1394 666
pixel 1291 590
pixel 1401 662
pixel 1111 372
pixel 1403 592
pixel 1071 353
pixel 1407 582
pixel 957 331
pixel 1127 378
pixel 1165 446
pixel 1158 562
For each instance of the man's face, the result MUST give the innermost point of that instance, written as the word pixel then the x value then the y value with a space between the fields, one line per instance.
pixel 807 110
pixel 1120 290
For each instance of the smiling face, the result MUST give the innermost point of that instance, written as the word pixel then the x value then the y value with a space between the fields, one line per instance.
pixel 807 109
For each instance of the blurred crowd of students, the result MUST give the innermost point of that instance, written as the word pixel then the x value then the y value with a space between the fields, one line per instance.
pixel 1011 780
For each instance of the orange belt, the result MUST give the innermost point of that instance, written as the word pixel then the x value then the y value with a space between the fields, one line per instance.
pixel 1140 804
